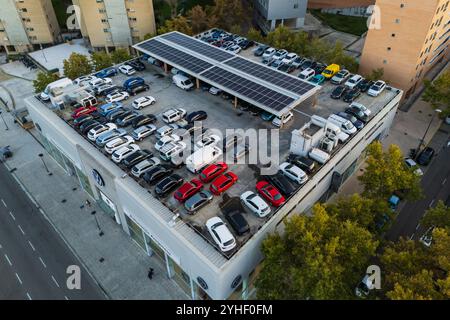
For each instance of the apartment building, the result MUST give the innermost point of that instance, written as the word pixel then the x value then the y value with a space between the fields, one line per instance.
pixel 413 36
pixel 271 13
pixel 323 4
pixel 26 25
pixel 110 24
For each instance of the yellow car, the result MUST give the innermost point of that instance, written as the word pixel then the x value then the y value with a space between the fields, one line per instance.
pixel 331 70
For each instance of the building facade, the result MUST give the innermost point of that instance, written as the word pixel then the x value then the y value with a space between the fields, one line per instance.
pixel 413 36
pixel 271 13
pixel 110 24
pixel 26 25
pixel 322 4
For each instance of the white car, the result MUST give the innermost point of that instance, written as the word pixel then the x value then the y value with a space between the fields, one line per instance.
pixel 340 77
pixel 214 91
pixel 142 132
pixel 255 203
pixel 410 163
pixel 221 234
pixel 166 130
pixel 211 140
pixel 118 143
pixel 280 54
pixel 361 107
pixel 289 59
pixel 100 129
pixel 277 121
pixel 293 172
pixel 117 97
pixel 143 102
pixel 83 79
pixel 166 140
pixel 353 81
pixel 142 167
pixel 427 238
pixel 234 48
pixel 377 88
pixel 97 82
pixel 269 53
pixel 126 69
pixel 124 152
pixel 173 115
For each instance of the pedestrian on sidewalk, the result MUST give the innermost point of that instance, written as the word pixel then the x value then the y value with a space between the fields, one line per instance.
pixel 88 203
pixel 150 273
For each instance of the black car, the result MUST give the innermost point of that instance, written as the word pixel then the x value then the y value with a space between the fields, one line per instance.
pixel 196 116
pixel 138 89
pixel 88 125
pixel 308 64
pixel 338 92
pixel 283 184
pixel 365 85
pixel 357 123
pixel 260 50
pixel 105 90
pixel 168 184
pixel 136 157
pixel 246 44
pixel 237 221
pixel 286 68
pixel 425 156
pixel 358 114
pixel 113 115
pixel 156 173
pixel 351 95
pixel 136 64
pixel 79 121
pixel 318 69
pixel 142 120
pixel 302 162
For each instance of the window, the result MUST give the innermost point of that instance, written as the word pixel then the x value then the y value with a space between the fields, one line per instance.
pixel 384 61
pixel 389 48
pixel 402 5
pixel 106 30
pixel 104 21
pixel 393 35
pixel 397 21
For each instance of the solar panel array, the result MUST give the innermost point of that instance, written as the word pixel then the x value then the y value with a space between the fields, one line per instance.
pixel 176 56
pixel 198 46
pixel 257 92
pixel 267 74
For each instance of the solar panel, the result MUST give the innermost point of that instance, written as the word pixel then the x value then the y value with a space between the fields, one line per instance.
pixel 247 88
pixel 272 76
pixel 175 56
pixel 207 50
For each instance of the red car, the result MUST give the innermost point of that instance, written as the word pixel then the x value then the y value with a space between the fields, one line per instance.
pixel 213 171
pixel 270 193
pixel 223 183
pixel 187 190
pixel 83 111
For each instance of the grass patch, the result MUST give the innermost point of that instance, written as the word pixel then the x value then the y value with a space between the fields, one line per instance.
pixel 348 24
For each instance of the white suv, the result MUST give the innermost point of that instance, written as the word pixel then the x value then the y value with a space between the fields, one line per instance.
pixel 100 129
pixel 118 143
pixel 221 234
pixel 255 203
pixel 171 149
pixel 353 81
pixel 126 69
pixel 293 172
pixel 97 82
pixel 142 167
pixel 173 115
pixel 377 88
pixel 165 140
pixel 277 120
pixel 124 152
pixel 143 102
pixel 117 97
pixel 211 140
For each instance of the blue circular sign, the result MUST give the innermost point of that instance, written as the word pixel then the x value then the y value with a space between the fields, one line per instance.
pixel 98 178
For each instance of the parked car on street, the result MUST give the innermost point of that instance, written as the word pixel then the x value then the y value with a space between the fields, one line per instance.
pixel 424 157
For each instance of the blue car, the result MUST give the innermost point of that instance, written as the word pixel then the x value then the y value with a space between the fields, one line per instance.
pixel 133 82
pixel 105 109
pixel 109 72
pixel 317 79
pixel 267 116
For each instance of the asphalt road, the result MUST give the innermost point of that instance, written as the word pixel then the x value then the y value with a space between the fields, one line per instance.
pixel 33 257
pixel 436 186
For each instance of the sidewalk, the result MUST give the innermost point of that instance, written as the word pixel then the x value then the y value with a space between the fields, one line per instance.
pixel 114 260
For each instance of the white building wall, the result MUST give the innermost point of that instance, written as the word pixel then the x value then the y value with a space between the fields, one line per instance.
pixel 12 23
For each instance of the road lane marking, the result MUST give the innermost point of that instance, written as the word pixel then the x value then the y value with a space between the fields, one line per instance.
pixel 18 278
pixel 65 297
pixel 418 226
pixel 31 245
pixel 7 259
pixel 28 296
pixel 4 203
pixel 56 282
pixel 445 180
pixel 42 261
pixel 431 203
pixel 21 230
pixel 12 216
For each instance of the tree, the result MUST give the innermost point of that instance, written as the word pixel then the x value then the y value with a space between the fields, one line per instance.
pixel 101 60
pixel 255 35
pixel 317 257
pixel 43 79
pixel 228 13
pixel 387 173
pixel 120 55
pixel 437 93
pixel 76 66
pixel 148 36
pixel 376 74
pixel 438 216
pixel 235 29
pixel 198 19
pixel 173 7
pixel 179 23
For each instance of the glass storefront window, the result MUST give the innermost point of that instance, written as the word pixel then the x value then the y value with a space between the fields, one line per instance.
pixel 136 233
pixel 84 181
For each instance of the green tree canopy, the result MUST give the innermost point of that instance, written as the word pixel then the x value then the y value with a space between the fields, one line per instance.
pixel 120 55
pixel 438 216
pixel 43 79
pixel 101 60
pixel 179 23
pixel 255 35
pixel 387 173
pixel 228 13
pixel 76 66
pixel 437 93
pixel 376 74
pixel 317 257
pixel 198 19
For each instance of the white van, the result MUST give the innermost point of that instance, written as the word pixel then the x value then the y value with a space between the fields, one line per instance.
pixel 330 128
pixel 182 82
pixel 202 157
pixel 319 155
pixel 345 125
pixel 307 74
pixel 171 149
pixel 58 84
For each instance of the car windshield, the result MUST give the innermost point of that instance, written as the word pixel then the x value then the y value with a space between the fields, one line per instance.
pixel 228 242
pixel 327 72
pixel 277 196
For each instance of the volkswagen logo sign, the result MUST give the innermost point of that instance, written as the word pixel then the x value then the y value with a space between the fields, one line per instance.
pixel 98 178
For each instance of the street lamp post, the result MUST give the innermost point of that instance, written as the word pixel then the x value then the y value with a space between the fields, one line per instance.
pixel 101 233
pixel 6 126
pixel 45 165
pixel 437 111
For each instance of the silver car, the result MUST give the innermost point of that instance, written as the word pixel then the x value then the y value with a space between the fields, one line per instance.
pixel 198 201
pixel 104 138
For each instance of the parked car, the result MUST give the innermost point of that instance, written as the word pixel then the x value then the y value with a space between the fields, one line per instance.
pixel 213 171
pixel 270 193
pixel 293 172
pixel 289 58
pixel 142 167
pixel 143 102
pixel 277 120
pixel 340 77
pixel 364 85
pixel 237 222
pixel 351 95
pixel 284 67
pixel 127 69
pixel 156 173
pixel 410 163
pixel 100 129
pixel 198 201
pixel 214 91
pixel 143 131
pixel 106 89
pixel 269 52
pixel 187 190
pixel 424 158
pixel 283 184
pixel 317 79
pixel 259 51
pixel 108 72
pixel 136 64
pixel 319 68
pixel 142 120
pixel 298 62
pixel 83 111
pixel 223 183
pixel 377 88
pixel 255 204
pixel 303 163
pixel 79 121
pixel 84 80
pixel 99 81
pixel 108 107
pixel 138 89
pixel 267 116
pixel 246 44
pixel 133 82
pixel 357 113
pixel 354 81
pixel 196 116
pixel 338 92
pixel 120 154
pixel 124 121
pixel 173 115
pixel 118 143
pixel 307 64
pixel 331 70
pixel 114 114
pixel 166 130
pixel 234 48
pixel 88 125
pixel 276 63
pixel 307 74
pixel 117 97
pixel 361 107
pixel 168 184
pixel 221 234
pixel 104 138
pixel 210 140
pixel 357 123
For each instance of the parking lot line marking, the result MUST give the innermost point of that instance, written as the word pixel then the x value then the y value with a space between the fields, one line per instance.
pixel 43 263
pixel 418 226
pixel 431 203
pixel 18 278
pixel 31 245
pixel 4 203
pixel 65 297
pixel 445 180
pixel 7 259
pixel 21 230
pixel 28 296
pixel 56 282
pixel 12 216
